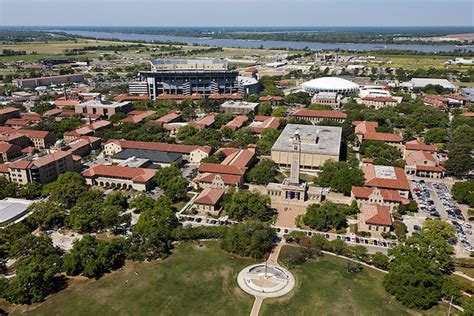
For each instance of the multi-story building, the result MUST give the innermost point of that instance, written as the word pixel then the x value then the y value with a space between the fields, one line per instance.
pixel 239 107
pixel 316 116
pixel 44 169
pixel 40 139
pixel 185 77
pixel 190 153
pixel 318 144
pixel 119 177
pixel 103 108
pixel 46 81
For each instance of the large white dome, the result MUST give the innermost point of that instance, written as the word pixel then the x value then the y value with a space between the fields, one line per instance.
pixel 330 84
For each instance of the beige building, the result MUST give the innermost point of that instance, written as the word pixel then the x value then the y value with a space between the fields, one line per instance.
pixel 103 108
pixel 388 198
pixel 9 151
pixel 118 177
pixel 318 144
pixel 375 219
pixel 44 169
pixel 193 154
pixel 208 201
pixel 40 139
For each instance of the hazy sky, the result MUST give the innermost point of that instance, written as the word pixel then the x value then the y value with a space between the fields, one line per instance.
pixel 237 12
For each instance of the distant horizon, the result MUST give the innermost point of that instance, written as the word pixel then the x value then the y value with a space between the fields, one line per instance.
pixel 235 13
pixel 246 26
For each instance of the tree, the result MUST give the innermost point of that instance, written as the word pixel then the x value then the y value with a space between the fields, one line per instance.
pixel 7 188
pixel 151 237
pixel 142 202
pixel 382 153
pixel 279 111
pixel 164 174
pixel 339 176
pixel 359 252
pixel 46 215
pixel 263 173
pixel 244 137
pixel 249 239
pixel 451 290
pixel 93 257
pixel 265 108
pixel 460 147
pixel 416 272
pixel 338 246
pixel 468 307
pixel 463 192
pixel 436 135
pixel 31 190
pixel 268 138
pixel 35 279
pixel 380 260
pixel 241 205
pixel 324 217
pixel 66 189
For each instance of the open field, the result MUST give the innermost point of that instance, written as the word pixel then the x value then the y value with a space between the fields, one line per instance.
pixel 192 281
pixel 416 62
pixel 325 287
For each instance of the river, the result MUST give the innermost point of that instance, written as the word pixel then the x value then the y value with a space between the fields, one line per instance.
pixel 265 44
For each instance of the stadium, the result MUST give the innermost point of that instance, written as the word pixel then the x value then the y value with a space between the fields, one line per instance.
pixel 330 84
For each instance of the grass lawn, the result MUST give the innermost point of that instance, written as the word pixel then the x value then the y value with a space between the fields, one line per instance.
pixel 325 287
pixel 192 281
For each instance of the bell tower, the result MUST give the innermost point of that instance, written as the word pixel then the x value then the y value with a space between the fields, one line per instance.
pixel 295 159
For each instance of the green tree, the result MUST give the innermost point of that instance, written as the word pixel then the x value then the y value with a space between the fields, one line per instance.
pixel 265 143
pixel 263 173
pixel 265 108
pixel 93 257
pixel 463 192
pixel 66 189
pixel 46 215
pixel 380 260
pixel 339 176
pixel 436 135
pixel 279 111
pixel 249 239
pixel 243 204
pixel 151 237
pixel 324 217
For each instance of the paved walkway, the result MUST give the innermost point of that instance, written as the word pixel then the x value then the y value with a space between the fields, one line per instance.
pixel 462 274
pixel 272 259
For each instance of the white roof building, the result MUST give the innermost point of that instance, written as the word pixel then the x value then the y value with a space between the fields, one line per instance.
pixel 421 83
pixel 330 84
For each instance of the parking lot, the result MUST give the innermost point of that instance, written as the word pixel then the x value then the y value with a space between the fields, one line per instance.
pixel 436 202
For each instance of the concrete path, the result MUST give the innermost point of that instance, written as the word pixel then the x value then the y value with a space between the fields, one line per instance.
pixel 272 259
pixel 256 306
pixel 462 274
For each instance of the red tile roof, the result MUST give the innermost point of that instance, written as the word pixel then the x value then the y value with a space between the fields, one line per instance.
pixel 419 145
pixel 415 157
pixel 206 121
pixel 430 168
pixel 399 182
pixel 380 99
pixel 18 122
pixel 137 116
pixel 261 122
pixel 383 137
pixel 218 96
pixel 52 112
pixel 228 179
pixel 241 158
pixel 362 127
pixel 221 169
pixel 194 96
pixel 126 97
pixel 376 214
pixel 5 147
pixel 320 114
pixel 388 195
pixel 140 175
pixel 3 168
pixel 177 148
pixel 10 110
pixel 270 98
pixel 61 103
pixel 468 114
pixel 168 118
pixel 236 123
pixel 27 132
pixel 209 196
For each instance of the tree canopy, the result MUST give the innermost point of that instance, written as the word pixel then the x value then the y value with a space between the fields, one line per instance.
pixel 324 217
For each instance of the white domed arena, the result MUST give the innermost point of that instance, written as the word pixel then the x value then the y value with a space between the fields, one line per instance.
pixel 330 84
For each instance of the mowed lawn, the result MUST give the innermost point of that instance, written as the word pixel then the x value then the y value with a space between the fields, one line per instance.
pixel 192 281
pixel 325 287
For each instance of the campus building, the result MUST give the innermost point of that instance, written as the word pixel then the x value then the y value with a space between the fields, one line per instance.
pixel 186 77
pixel 318 144
pixel 32 83
pixel 191 153
pixel 103 108
pixel 119 177
pixel 317 116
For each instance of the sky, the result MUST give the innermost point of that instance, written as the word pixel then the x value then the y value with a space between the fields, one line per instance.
pixel 237 12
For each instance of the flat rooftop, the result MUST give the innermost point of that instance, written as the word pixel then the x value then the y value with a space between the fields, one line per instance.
pixel 324 140
pixel 239 104
pixel 12 209
pixel 188 64
pixel 104 104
